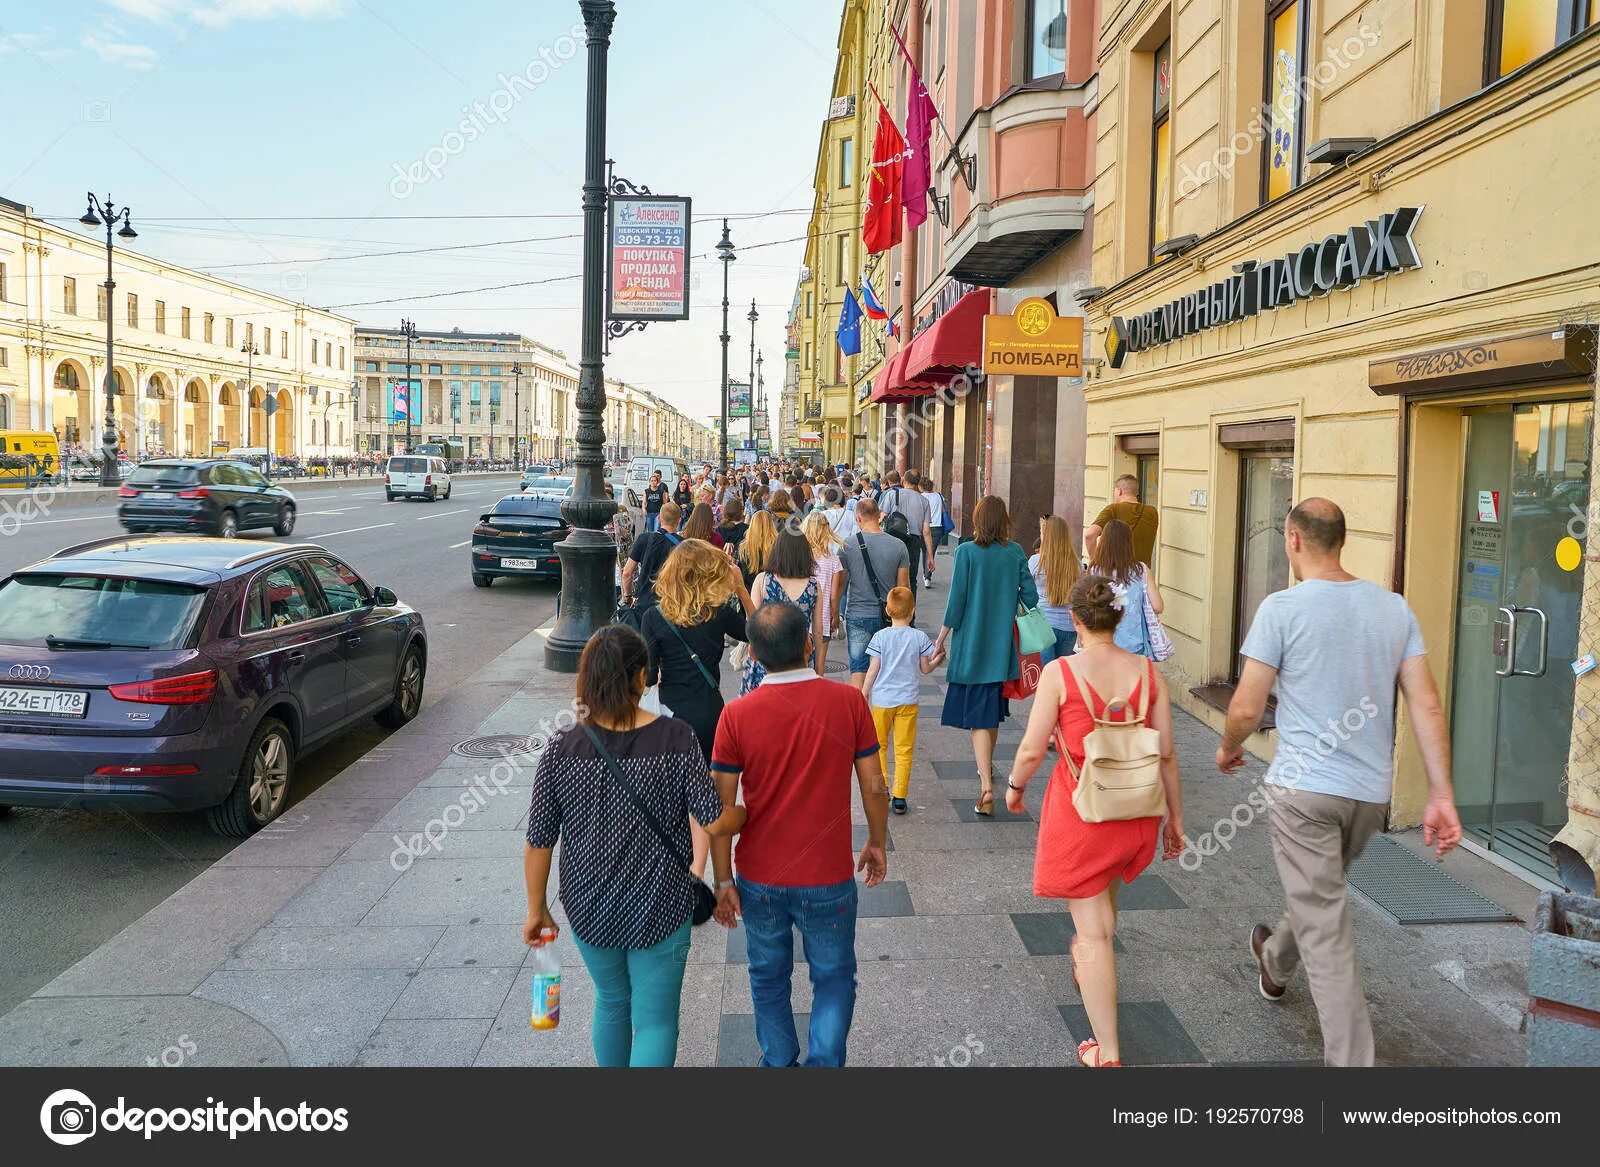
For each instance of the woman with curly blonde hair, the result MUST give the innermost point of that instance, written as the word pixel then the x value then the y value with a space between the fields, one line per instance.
pixel 700 600
pixel 829 576
pixel 757 545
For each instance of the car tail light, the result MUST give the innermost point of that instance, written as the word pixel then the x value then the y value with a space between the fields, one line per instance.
pixel 127 492
pixel 189 689
pixel 428 481
pixel 145 771
pixel 197 492
pixel 485 531
pixel 386 479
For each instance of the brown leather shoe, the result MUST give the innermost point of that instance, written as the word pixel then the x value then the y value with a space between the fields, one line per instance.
pixel 1259 935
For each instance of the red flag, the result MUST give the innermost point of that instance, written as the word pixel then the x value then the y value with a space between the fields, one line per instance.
pixel 881 221
pixel 921 113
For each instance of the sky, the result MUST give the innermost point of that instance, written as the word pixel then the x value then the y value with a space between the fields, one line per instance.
pixel 281 143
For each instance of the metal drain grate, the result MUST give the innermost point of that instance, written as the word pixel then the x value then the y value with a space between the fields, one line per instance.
pixel 836 665
pixel 1416 891
pixel 499 745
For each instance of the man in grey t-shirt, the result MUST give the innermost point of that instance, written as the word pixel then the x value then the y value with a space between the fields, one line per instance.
pixel 1336 647
pixel 890 564
pixel 906 499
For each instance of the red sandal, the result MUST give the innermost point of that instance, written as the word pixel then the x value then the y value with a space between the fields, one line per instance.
pixel 1083 1057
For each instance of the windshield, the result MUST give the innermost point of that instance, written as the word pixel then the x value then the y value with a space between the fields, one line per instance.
pixel 155 474
pixel 91 611
pixel 549 483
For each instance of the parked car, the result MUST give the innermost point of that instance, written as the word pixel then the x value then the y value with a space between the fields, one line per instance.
pixel 180 674
pixel 530 473
pixel 547 487
pixel 416 476
pixel 518 538
pixel 194 495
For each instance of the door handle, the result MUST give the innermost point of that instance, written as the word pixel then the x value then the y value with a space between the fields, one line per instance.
pixel 296 658
pixel 1544 645
pixel 1509 668
pixel 352 638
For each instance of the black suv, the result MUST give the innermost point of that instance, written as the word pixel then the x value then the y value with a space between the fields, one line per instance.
pixel 203 496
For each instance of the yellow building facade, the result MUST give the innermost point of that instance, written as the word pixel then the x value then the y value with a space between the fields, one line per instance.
pixel 1345 249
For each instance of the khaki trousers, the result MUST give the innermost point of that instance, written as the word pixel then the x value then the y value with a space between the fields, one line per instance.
pixel 1315 838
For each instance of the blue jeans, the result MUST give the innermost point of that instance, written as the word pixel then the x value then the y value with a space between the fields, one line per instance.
pixel 826 918
pixel 1065 643
pixel 859 631
pixel 636 992
pixel 652 522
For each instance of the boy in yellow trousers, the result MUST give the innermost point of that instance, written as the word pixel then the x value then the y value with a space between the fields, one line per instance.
pixel 900 656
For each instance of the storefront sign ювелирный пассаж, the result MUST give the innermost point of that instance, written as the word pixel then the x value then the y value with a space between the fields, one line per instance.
pixel 1370 250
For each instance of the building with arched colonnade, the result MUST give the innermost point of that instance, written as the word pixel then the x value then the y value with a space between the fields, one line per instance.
pixel 185 379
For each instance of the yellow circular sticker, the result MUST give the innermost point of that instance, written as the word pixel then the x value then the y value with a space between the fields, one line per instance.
pixel 1569 554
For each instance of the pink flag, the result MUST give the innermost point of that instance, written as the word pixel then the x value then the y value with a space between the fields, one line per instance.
pixel 921 113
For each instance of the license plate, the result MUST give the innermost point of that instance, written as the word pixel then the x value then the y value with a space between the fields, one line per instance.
pixel 157 496
pixel 520 564
pixel 44 702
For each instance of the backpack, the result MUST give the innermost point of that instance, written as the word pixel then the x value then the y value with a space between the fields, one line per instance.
pixel 895 524
pixel 1121 775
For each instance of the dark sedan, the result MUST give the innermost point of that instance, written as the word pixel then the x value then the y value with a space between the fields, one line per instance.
pixel 213 496
pixel 518 538
pixel 178 674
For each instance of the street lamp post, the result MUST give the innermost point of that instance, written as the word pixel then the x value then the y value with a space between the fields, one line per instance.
pixel 408 329
pixel 758 399
pixel 250 353
pixel 516 414
pixel 588 554
pixel 109 213
pixel 726 255
pixel 753 317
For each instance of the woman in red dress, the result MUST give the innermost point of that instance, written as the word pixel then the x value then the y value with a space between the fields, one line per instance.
pixel 1084 863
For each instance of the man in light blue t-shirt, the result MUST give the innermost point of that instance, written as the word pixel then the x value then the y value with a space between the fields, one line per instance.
pixel 1336 647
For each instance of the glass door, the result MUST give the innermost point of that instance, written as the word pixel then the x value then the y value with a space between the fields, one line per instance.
pixel 1266 496
pixel 1525 492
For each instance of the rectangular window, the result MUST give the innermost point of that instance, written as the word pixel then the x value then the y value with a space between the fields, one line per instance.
pixel 249 336
pixel 133 310
pixel 69 295
pixel 434 370
pixel 844 248
pixel 1161 149
pixel 847 162
pixel 2 281
pixel 476 389
pixel 1521 31
pixel 314 353
pixel 1285 109
pixel 227 331
pixel 1266 454
pixel 211 328
pixel 283 345
pixel 161 316
pixel 100 302
pixel 341 356
pixel 1047 38
pixel 184 322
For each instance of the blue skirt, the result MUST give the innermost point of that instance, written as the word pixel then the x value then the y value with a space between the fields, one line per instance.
pixel 974 706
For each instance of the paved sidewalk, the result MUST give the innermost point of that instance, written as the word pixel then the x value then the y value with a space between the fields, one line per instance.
pixel 315 943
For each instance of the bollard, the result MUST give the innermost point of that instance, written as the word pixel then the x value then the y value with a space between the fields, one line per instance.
pixel 1564 982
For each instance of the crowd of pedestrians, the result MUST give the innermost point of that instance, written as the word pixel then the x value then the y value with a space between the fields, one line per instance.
pixel 777 564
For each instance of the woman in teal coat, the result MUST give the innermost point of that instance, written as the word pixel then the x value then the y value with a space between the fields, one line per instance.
pixel 990 578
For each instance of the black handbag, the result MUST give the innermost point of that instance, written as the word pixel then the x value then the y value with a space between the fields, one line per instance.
pixel 705 900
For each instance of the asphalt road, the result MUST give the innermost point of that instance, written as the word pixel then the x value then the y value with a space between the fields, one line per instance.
pixel 70 880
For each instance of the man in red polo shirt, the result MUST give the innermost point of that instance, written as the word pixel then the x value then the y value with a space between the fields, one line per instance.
pixel 793 744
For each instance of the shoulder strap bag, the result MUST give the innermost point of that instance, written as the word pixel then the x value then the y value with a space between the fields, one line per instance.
pixel 1121 774
pixel 705 673
pixel 705 900
pixel 872 579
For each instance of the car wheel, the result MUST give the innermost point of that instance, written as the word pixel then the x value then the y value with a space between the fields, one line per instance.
pixel 228 525
pixel 4 810
pixel 285 523
pixel 482 581
pixel 389 494
pixel 261 790
pixel 430 495
pixel 447 491
pixel 407 691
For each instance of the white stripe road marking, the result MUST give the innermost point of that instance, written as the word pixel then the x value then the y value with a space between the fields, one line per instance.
pixel 42 522
pixel 458 547
pixel 351 531
pixel 439 515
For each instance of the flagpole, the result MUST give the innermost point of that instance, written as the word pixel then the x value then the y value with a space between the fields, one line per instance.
pixel 917 73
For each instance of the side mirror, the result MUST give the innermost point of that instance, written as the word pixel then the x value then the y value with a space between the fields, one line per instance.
pixel 384 598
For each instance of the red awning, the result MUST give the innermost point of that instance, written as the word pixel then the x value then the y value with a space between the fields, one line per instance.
pixel 939 355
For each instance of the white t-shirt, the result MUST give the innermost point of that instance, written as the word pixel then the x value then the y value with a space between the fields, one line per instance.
pixel 1337 647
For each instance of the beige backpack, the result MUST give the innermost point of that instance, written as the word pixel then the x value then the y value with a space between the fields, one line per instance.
pixel 1121 776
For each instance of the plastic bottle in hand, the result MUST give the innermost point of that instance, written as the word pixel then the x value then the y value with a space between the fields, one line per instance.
pixel 546 984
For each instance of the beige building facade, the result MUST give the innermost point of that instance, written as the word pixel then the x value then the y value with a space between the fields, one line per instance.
pixel 195 360
pixel 1408 329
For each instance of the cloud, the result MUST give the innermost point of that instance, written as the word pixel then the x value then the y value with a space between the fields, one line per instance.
pixel 118 52
pixel 218 13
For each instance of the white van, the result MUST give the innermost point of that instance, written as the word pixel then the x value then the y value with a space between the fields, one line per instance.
pixel 640 469
pixel 416 476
